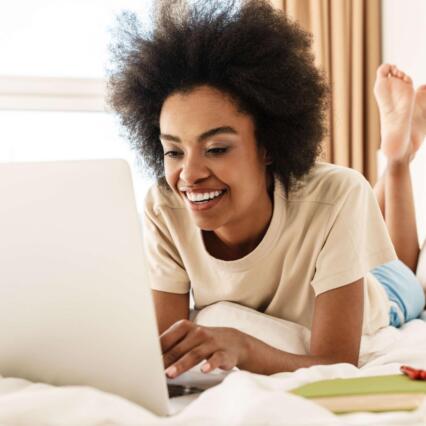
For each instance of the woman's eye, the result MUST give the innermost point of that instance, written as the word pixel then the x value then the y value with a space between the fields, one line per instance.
pixel 172 154
pixel 217 150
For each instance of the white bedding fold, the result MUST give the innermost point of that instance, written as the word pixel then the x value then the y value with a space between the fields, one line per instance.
pixel 242 399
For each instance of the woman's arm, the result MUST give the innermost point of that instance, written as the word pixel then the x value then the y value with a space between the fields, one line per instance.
pixel 336 334
pixel 336 337
pixel 337 323
pixel 169 308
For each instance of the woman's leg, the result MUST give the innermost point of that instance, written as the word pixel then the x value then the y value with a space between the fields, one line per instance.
pixel 418 130
pixel 401 136
pixel 400 213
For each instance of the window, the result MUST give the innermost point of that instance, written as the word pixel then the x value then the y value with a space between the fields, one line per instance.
pixel 52 82
pixel 59 38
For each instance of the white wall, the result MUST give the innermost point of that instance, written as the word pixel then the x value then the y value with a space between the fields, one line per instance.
pixel 404 44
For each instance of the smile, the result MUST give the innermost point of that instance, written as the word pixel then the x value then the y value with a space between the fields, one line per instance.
pixel 204 201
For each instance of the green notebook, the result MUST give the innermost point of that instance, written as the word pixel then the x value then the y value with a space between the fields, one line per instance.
pixel 375 393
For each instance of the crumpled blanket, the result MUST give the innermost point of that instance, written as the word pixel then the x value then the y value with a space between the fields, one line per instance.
pixel 241 399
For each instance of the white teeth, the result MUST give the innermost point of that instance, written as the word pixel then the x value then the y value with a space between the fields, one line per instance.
pixel 203 197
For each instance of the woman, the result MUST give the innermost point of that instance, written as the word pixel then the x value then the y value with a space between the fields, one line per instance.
pixel 226 108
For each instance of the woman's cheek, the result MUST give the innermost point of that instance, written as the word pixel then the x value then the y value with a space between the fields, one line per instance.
pixel 172 177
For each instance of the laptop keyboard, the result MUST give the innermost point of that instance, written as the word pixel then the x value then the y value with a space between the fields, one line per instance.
pixel 180 390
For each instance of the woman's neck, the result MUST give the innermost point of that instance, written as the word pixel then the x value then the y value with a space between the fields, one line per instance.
pixel 235 242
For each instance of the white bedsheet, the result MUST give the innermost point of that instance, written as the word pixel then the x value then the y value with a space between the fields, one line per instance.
pixel 242 399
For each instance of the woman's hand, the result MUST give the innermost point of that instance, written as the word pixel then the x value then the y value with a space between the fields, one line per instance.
pixel 335 338
pixel 186 344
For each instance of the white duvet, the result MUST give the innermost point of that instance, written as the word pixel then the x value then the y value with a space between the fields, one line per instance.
pixel 242 399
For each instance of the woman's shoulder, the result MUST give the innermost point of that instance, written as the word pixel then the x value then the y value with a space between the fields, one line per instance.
pixel 335 175
pixel 328 183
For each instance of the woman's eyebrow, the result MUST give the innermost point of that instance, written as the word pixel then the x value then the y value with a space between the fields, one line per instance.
pixel 203 136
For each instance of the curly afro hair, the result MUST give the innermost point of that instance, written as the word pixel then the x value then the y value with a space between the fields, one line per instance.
pixel 251 52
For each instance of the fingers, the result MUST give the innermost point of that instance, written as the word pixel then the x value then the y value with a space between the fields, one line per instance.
pixel 189 360
pixel 219 359
pixel 174 334
pixel 186 344
pixel 195 337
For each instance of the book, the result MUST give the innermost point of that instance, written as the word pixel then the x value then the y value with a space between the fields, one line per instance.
pixel 375 393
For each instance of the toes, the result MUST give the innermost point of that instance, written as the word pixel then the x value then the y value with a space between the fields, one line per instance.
pixel 389 70
pixel 422 88
pixel 395 72
pixel 407 79
pixel 384 70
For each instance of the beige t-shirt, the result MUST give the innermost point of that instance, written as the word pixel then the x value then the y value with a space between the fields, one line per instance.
pixel 325 235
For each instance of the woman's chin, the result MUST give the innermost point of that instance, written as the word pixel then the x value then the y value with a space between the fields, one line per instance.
pixel 206 225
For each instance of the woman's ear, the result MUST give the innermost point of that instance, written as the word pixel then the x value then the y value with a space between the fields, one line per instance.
pixel 266 157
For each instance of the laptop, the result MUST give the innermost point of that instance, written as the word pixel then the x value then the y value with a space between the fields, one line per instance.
pixel 75 301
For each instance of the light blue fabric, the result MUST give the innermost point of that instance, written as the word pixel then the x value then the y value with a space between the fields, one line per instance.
pixel 402 288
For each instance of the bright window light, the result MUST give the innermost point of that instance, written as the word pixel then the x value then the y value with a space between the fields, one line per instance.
pixel 60 38
pixel 49 136
pixel 66 39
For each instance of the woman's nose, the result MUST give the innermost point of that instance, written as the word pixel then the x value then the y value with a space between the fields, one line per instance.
pixel 193 169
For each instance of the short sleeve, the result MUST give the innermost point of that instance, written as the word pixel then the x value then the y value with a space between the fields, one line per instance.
pixel 355 239
pixel 165 266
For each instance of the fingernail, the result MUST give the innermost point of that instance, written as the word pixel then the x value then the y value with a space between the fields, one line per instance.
pixel 205 368
pixel 171 371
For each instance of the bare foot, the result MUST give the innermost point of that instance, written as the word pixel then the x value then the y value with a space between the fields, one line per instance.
pixel 418 130
pixel 394 94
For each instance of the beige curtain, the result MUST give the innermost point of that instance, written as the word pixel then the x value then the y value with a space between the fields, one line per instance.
pixel 346 44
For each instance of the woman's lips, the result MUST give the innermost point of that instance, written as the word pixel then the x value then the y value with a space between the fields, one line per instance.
pixel 204 205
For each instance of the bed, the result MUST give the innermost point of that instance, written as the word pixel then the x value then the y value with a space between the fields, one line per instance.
pixel 241 399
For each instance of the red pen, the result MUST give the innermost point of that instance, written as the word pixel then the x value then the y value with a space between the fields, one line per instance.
pixel 413 373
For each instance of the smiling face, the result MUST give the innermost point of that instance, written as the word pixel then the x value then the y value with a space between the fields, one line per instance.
pixel 213 163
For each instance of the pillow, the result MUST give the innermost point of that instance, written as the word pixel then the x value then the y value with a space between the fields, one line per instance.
pixel 281 334
pixel 421 267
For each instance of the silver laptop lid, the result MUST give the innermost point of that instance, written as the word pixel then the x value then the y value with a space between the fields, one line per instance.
pixel 75 303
